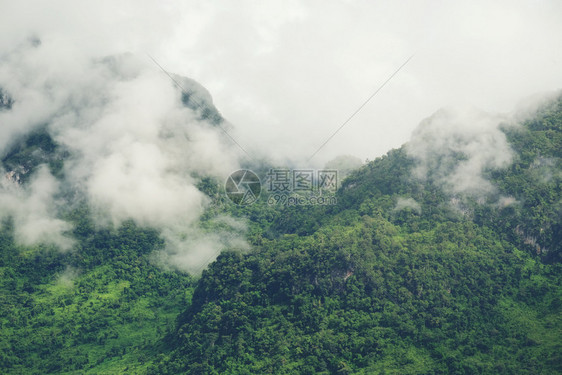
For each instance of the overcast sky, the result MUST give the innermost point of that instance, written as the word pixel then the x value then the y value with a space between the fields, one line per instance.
pixel 287 74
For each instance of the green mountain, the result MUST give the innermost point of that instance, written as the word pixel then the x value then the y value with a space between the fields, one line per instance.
pixel 426 265
pixel 368 287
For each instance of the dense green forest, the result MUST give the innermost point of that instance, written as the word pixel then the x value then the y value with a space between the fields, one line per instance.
pixel 365 286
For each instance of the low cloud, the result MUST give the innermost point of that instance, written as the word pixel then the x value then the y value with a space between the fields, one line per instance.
pixel 33 209
pixel 506 201
pixel 135 151
pixel 544 170
pixel 204 244
pixel 287 75
pixel 67 277
pixel 344 164
pixel 454 148
pixel 407 204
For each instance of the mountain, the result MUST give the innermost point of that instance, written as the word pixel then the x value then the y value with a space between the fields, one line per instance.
pixel 404 275
pixel 442 256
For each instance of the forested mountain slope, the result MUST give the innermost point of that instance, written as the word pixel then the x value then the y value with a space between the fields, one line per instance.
pixel 404 275
pixel 443 256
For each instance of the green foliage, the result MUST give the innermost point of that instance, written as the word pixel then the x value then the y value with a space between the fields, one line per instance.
pixel 101 309
pixel 366 296
pixel 534 220
pixel 361 287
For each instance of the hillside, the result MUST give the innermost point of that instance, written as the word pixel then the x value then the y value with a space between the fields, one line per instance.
pixel 404 275
pixel 443 256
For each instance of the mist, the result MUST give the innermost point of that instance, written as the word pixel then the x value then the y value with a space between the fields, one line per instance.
pixel 407 204
pixel 455 147
pixel 135 150
pixel 34 210
pixel 286 75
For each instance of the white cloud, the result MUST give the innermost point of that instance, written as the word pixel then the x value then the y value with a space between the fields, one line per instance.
pixel 505 201
pixel 407 203
pixel 290 90
pixel 33 209
pixel 135 149
pixel 286 75
pixel 455 147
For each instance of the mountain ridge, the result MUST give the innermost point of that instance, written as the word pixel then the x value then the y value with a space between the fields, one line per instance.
pixel 408 273
pixel 442 288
